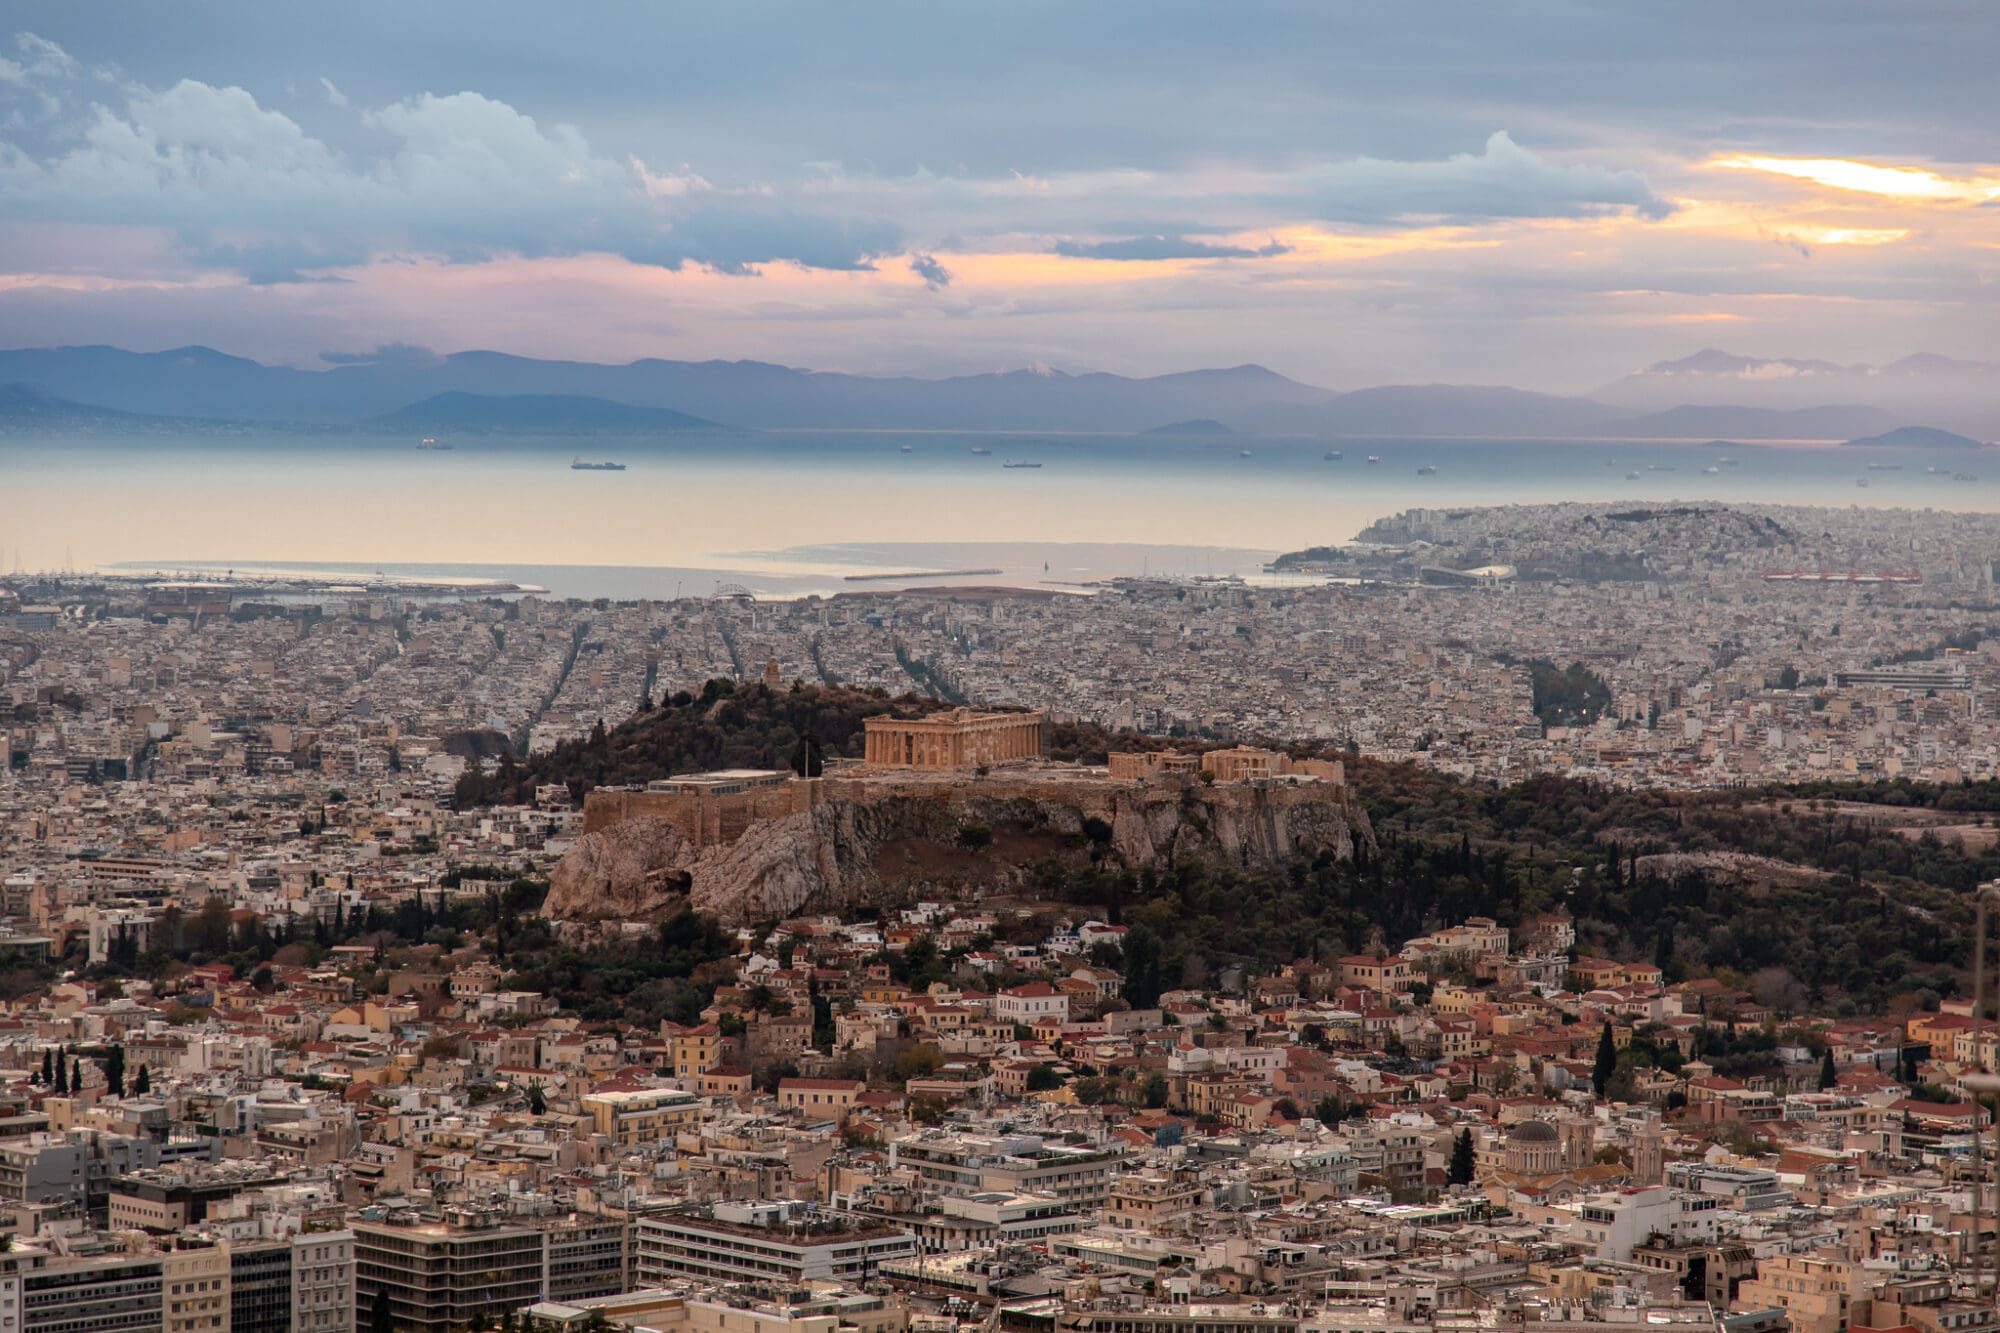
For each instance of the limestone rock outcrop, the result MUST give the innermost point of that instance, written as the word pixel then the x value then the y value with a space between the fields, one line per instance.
pixel 636 870
pixel 882 842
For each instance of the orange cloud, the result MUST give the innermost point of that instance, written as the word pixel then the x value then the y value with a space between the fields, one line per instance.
pixel 1813 235
pixel 1914 185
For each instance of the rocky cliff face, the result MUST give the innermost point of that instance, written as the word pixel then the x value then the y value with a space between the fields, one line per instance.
pixel 882 842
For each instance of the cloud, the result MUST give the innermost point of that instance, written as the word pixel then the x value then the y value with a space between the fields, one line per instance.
pixel 42 58
pixel 1504 180
pixel 738 239
pixel 333 95
pixel 464 177
pixel 411 355
pixel 1909 185
pixel 1142 248
pixel 667 185
pixel 935 275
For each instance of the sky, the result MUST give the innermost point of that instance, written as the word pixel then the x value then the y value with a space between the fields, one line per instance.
pixel 1540 194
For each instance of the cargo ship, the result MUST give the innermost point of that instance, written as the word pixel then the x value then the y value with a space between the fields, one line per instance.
pixel 1018 462
pixel 578 465
pixel 430 442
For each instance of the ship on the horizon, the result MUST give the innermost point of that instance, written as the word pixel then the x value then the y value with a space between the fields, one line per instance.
pixel 1019 462
pixel 1428 470
pixel 980 451
pixel 430 442
pixel 1374 458
pixel 578 465
pixel 1334 455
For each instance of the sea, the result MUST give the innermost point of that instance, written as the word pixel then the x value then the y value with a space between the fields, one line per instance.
pixel 789 514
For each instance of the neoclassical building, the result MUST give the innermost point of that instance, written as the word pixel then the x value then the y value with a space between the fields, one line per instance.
pixel 958 739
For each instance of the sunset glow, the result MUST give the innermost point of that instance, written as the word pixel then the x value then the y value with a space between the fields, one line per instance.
pixel 1908 184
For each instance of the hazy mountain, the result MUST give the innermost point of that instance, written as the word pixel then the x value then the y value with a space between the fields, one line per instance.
pixel 1962 395
pixel 1710 362
pixel 1707 395
pixel 26 407
pixel 1456 410
pixel 24 403
pixel 1754 423
pixel 1918 437
pixel 197 381
pixel 1194 426
pixel 484 414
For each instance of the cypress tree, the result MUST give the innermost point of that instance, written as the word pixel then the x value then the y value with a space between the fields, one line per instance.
pixel 62 1076
pixel 1607 1060
pixel 143 1084
pixel 1460 1170
pixel 1828 1076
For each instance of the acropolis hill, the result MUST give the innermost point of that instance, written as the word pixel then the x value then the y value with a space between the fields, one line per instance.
pixel 922 815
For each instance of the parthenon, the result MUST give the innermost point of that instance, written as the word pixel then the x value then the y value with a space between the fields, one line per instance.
pixel 957 739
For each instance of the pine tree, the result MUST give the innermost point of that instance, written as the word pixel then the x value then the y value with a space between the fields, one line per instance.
pixel 1460 1170
pixel 1607 1060
pixel 537 1103
pixel 1828 1075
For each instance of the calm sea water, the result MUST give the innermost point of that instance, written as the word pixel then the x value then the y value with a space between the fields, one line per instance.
pixel 787 513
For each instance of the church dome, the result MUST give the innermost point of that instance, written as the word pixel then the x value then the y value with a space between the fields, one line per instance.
pixel 1532 1131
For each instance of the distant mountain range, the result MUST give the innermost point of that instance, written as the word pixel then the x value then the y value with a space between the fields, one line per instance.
pixel 533 412
pixel 1925 389
pixel 1196 426
pixel 1916 437
pixel 24 407
pixel 1709 395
